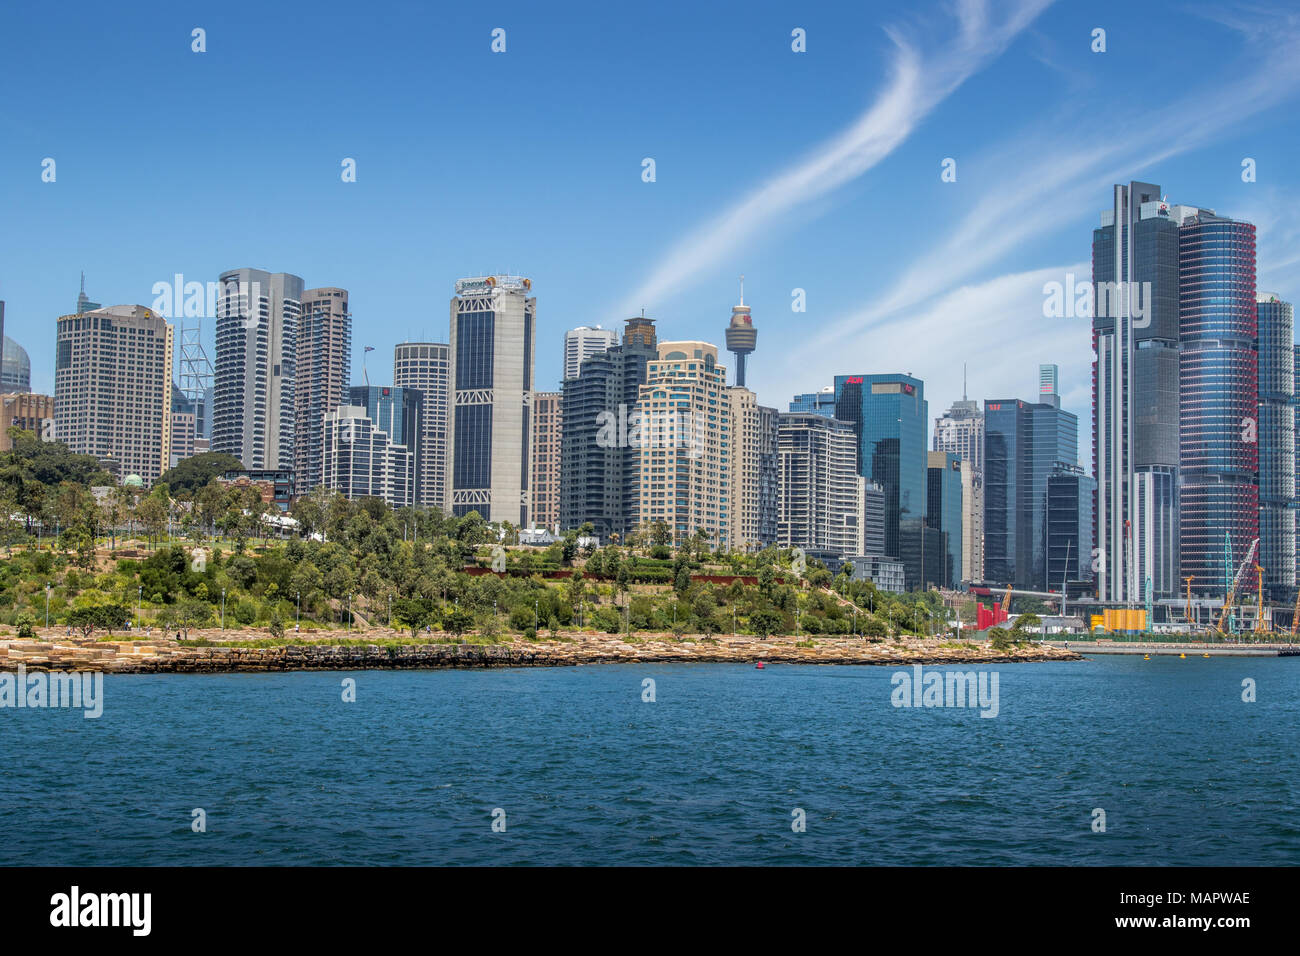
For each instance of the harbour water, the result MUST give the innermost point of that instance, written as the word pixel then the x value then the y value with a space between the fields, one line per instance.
pixel 581 769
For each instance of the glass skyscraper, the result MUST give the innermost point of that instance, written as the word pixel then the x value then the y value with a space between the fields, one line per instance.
pixel 889 415
pixel 1277 492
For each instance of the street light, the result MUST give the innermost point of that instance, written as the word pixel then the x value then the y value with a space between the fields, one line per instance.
pixel 223 609
pixel 47 606
pixel 297 617
pixel 139 600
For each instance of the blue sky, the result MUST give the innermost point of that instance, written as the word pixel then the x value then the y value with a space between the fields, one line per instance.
pixel 818 170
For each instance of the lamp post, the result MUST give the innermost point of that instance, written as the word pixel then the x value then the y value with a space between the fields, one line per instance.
pixel 47 606
pixel 139 601
pixel 223 609
pixel 297 616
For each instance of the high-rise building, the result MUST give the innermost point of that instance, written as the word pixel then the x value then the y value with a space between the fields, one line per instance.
pixel 493 326
pixel 255 375
pixel 598 463
pixel 742 337
pixel 889 416
pixel 548 425
pixel 769 475
pixel 944 514
pixel 819 403
pixel 15 368
pixel 323 362
pixel 742 405
pixel 361 460
pixel 582 343
pixel 1024 443
pixel 1135 396
pixel 683 455
pixel 873 521
pixel 1277 450
pixel 426 367
pixel 84 304
pixel 960 431
pixel 28 411
pixel 182 436
pixel 822 495
pixel 112 388
pixel 1219 392
pixel 395 411
pixel 1069 528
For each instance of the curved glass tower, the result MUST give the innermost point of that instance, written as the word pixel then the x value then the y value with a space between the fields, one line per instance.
pixel 1219 396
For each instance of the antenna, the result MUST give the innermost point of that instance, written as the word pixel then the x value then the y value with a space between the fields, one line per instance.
pixel 963 381
pixel 742 289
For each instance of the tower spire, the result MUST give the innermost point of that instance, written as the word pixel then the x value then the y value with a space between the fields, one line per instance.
pixel 742 288
pixel 963 381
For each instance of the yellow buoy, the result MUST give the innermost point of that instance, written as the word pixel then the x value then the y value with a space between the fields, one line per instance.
pixel 1183 656
pixel 1205 655
pixel 1146 657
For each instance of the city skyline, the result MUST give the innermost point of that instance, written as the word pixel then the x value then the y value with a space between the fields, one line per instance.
pixel 1036 209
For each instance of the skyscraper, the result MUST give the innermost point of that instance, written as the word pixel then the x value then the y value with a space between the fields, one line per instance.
pixel 1069 527
pixel 889 416
pixel 15 368
pixel 84 304
pixel 324 362
pixel 112 388
pixel 361 460
pixel 583 342
pixel 1024 444
pixel 426 367
pixel 944 514
pixel 819 403
pixel 822 496
pixel 1219 392
pixel 1277 479
pixel 548 424
pixel 254 379
pixel 493 324
pixel 742 428
pixel 1135 333
pixel 742 337
pixel 683 454
pixel 598 466
pixel 960 431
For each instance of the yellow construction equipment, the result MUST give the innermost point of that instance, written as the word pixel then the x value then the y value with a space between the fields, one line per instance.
pixel 1295 614
pixel 1006 600
pixel 1259 598
pixel 1189 581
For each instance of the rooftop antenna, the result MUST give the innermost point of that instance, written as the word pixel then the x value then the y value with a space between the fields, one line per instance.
pixel 963 381
pixel 742 289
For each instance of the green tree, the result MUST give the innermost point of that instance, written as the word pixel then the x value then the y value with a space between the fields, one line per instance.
pixel 765 623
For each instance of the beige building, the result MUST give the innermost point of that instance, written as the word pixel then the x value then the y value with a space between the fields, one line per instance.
pixel 113 388
pixel 426 367
pixel 545 477
pixel 323 364
pixel 28 411
pixel 683 443
pixel 492 347
pixel 743 427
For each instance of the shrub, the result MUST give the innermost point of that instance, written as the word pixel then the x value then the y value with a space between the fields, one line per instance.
pixel 26 625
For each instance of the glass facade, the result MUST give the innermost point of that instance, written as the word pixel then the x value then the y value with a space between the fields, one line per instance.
pixel 1277 493
pixel 890 416
pixel 1219 389
pixel 943 513
pixel 1069 527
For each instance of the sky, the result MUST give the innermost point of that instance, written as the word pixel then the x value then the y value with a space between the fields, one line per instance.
pixel 820 171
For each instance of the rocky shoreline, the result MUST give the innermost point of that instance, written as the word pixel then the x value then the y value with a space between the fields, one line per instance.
pixel 392 651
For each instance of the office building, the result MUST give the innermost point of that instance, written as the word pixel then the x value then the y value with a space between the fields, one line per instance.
pixel 1069 529
pixel 598 461
pixel 960 431
pixel 28 411
pixel 548 424
pixel 323 363
pixel 1024 443
pixel 361 460
pixel 582 343
pixel 1135 396
pixel 822 495
pixel 182 437
pixel 493 332
pixel 943 513
pixel 254 382
pixel 15 368
pixel 889 417
pixel 425 367
pixel 395 411
pixel 1219 391
pixel 743 427
pixel 112 388
pixel 819 403
pixel 769 475
pixel 1277 489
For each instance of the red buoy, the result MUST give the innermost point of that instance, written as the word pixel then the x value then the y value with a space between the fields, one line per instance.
pixel 759 665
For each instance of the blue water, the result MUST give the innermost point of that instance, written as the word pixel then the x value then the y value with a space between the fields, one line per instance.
pixel 707 774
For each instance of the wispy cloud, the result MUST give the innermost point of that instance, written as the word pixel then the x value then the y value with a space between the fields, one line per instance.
pixel 918 82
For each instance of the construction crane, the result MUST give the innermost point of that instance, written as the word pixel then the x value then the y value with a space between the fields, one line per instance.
pixel 1295 614
pixel 1236 583
pixel 1189 581
pixel 1006 600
